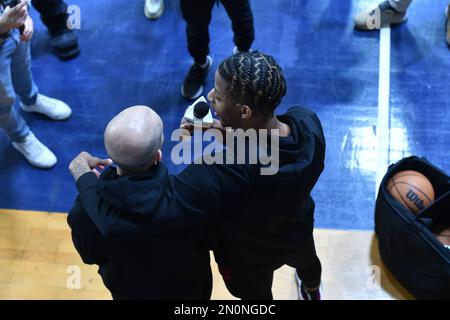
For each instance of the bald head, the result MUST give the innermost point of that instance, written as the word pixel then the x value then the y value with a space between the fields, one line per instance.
pixel 134 137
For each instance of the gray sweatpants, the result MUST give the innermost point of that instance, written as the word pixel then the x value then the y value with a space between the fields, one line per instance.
pixel 400 5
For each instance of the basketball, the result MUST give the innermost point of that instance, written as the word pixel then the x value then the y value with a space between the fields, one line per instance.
pixel 412 189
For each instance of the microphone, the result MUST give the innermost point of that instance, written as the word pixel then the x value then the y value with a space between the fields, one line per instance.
pixel 12 4
pixel 199 113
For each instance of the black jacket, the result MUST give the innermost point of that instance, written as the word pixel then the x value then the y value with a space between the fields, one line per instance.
pixel 262 221
pixel 141 256
pixel 256 223
pixel 276 217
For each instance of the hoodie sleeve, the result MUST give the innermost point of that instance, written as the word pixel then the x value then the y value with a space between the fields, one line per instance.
pixel 87 239
pixel 200 189
pixel 104 216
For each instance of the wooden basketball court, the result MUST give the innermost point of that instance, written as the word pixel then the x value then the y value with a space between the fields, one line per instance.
pixel 38 261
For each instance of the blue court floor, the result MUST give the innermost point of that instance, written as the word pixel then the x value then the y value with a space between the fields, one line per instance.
pixel 330 68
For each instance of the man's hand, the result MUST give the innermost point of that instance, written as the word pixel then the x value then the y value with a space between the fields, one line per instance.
pixel 216 125
pixel 84 163
pixel 190 126
pixel 28 30
pixel 13 18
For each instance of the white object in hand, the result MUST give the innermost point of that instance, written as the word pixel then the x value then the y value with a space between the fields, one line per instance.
pixel 199 113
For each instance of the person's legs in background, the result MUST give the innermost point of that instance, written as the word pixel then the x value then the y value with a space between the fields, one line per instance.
pixel 197 15
pixel 30 98
pixel 387 12
pixel 11 121
pixel 308 272
pixel 54 15
pixel 240 13
pixel 21 77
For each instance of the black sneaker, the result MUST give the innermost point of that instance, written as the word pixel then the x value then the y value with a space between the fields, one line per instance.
pixel 192 87
pixel 65 44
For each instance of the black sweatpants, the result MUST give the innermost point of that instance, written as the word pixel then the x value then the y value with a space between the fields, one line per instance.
pixel 306 263
pixel 53 14
pixel 197 14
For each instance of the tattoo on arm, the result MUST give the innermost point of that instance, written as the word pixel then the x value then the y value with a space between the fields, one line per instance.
pixel 78 168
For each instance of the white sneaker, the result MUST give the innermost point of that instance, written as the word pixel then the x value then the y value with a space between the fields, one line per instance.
pixel 378 17
pixel 153 9
pixel 52 108
pixel 35 152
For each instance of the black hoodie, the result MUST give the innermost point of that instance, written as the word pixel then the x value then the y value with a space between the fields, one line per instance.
pixel 263 221
pixel 255 223
pixel 141 255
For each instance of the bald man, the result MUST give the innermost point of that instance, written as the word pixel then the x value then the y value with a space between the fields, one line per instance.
pixel 134 138
pixel 144 256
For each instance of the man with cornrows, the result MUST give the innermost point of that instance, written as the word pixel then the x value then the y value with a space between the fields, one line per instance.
pixel 272 222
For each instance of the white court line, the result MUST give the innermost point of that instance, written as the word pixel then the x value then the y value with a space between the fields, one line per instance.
pixel 383 105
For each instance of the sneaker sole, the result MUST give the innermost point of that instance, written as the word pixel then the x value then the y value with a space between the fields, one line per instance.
pixel 197 94
pixel 43 114
pixel 68 55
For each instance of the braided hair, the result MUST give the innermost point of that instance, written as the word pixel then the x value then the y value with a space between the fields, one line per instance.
pixel 255 79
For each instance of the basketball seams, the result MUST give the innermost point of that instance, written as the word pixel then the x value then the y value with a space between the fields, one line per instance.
pixel 400 195
pixel 421 181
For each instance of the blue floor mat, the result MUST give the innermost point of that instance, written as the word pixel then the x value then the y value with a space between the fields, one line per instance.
pixel 127 59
